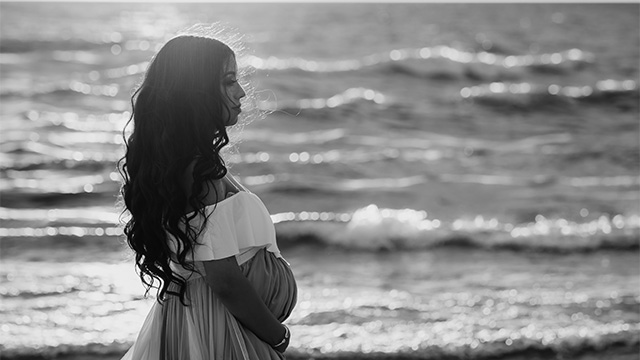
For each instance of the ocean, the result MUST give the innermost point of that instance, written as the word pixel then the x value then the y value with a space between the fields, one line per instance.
pixel 448 181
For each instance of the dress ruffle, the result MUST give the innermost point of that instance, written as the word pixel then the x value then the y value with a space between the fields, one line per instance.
pixel 235 224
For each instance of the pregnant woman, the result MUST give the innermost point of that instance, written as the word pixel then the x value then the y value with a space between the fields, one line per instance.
pixel 203 240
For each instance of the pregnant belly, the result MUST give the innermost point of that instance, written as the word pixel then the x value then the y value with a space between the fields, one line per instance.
pixel 274 282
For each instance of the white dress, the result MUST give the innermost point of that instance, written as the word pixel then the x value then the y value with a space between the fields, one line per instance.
pixel 238 226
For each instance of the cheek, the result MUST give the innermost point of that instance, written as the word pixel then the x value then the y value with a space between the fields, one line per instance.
pixel 238 90
pixel 230 93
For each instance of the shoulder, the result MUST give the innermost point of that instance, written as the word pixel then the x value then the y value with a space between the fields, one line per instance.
pixel 214 190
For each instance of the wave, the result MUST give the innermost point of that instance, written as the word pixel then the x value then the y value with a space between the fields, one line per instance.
pixel 58 137
pixel 526 96
pixel 53 152
pixel 41 181
pixel 109 122
pixel 84 42
pixel 64 88
pixel 93 214
pixel 349 96
pixel 292 182
pixel 120 72
pixel 26 184
pixel 57 184
pixel 13 138
pixel 418 140
pixel 315 136
pixel 425 146
pixel 373 229
pixel 436 52
pixel 20 46
pixel 393 61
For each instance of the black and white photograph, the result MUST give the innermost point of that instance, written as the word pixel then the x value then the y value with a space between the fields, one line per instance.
pixel 319 180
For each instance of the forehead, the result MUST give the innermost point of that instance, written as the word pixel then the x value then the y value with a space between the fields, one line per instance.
pixel 231 66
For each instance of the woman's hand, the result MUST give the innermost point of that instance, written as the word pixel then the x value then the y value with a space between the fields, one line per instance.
pixel 284 344
pixel 239 297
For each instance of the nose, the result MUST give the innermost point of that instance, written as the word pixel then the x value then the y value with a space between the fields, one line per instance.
pixel 241 93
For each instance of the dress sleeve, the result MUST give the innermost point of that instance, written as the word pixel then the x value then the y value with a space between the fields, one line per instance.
pixel 234 226
pixel 219 238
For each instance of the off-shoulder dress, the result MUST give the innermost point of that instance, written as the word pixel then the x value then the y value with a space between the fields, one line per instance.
pixel 238 226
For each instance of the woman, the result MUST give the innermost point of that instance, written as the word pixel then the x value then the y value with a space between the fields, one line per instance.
pixel 224 289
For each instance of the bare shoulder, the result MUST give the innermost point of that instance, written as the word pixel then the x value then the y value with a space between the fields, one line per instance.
pixel 213 191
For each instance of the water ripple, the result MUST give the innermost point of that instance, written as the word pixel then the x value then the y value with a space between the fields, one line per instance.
pixel 444 52
pixel 602 87
pixel 374 228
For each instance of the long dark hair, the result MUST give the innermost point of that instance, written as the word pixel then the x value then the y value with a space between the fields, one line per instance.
pixel 178 118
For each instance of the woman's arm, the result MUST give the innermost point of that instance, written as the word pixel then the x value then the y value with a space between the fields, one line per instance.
pixel 238 295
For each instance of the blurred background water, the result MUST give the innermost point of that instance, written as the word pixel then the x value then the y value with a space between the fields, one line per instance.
pixel 447 180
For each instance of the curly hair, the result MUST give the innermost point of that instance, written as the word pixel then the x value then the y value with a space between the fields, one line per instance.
pixel 178 119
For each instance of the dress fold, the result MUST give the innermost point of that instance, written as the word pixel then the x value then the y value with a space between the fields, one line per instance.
pixel 205 329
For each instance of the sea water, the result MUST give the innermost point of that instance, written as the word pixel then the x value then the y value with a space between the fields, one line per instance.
pixel 447 181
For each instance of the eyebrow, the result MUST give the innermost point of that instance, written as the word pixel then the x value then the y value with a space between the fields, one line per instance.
pixel 230 73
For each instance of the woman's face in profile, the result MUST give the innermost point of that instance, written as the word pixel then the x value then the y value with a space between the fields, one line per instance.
pixel 232 91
